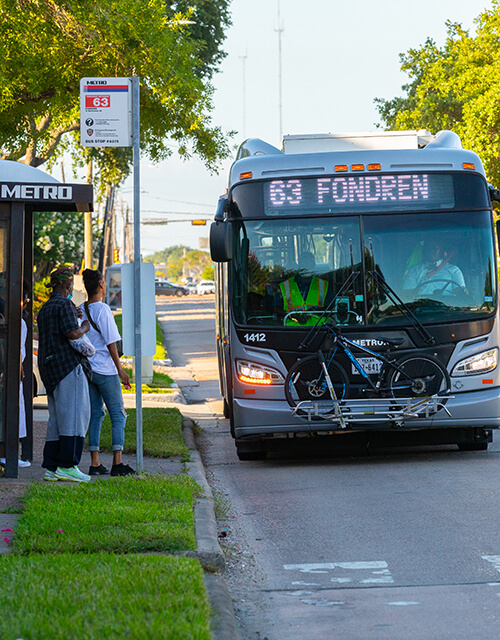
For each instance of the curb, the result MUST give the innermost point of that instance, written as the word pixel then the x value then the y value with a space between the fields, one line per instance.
pixel 209 552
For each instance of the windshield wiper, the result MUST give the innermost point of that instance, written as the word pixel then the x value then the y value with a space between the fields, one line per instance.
pixel 381 282
pixel 316 327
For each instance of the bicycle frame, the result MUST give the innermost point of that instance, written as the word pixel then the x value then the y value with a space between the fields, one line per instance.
pixel 345 343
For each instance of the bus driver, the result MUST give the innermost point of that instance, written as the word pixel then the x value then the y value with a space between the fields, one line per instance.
pixel 435 274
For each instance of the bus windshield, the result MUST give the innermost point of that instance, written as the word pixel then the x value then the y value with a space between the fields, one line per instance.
pixel 292 272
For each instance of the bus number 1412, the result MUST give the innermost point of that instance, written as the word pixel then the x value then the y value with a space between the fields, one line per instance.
pixel 255 337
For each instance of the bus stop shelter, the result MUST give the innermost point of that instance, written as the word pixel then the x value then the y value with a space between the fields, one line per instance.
pixel 23 191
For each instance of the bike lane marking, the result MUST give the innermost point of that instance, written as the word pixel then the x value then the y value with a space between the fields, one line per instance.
pixel 367 572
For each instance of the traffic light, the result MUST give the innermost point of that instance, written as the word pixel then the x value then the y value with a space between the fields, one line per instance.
pixel 116 256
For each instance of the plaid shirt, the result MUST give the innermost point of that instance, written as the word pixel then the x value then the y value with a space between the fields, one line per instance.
pixel 56 357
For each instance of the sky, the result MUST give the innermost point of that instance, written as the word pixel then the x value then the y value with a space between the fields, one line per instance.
pixel 336 57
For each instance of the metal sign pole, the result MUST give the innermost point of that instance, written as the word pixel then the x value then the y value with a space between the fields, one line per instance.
pixel 137 270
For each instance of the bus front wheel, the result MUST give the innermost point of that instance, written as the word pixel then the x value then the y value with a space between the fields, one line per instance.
pixel 227 410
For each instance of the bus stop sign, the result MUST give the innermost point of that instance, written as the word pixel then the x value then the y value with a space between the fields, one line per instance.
pixel 106 112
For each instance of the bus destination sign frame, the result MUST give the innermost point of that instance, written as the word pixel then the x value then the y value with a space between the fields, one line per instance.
pixel 353 192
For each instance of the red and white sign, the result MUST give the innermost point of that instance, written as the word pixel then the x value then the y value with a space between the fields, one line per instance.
pixel 106 112
pixel 94 102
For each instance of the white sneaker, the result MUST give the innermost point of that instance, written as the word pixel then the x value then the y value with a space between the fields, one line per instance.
pixel 73 474
pixel 50 476
pixel 20 463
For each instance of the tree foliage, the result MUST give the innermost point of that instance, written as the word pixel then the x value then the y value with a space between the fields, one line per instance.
pixel 181 261
pixel 47 46
pixel 455 87
pixel 58 239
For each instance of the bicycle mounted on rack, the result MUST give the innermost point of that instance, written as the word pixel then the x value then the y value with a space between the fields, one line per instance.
pixel 317 386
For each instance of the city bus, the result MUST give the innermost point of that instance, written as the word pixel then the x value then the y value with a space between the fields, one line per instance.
pixel 388 238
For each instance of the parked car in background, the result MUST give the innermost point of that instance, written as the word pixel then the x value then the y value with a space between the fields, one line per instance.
pixel 205 286
pixel 169 289
pixel 191 287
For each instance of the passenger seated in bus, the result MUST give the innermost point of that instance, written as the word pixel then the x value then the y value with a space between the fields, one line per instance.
pixel 302 292
pixel 435 274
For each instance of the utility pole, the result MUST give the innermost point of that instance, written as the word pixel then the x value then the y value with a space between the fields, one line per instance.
pixel 88 225
pixel 104 250
pixel 280 30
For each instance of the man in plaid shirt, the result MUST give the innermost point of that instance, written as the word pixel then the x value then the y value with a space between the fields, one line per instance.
pixel 63 373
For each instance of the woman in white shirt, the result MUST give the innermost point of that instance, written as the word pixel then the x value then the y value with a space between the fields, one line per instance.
pixel 107 371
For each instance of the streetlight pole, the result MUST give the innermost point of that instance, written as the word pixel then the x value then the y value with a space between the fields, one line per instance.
pixel 280 30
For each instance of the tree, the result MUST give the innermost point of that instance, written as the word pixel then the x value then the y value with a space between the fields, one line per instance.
pixel 58 240
pixel 182 261
pixel 47 46
pixel 455 87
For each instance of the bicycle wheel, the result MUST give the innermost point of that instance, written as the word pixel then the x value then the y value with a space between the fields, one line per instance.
pixel 306 381
pixel 418 377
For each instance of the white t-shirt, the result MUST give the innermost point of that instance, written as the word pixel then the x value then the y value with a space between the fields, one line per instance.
pixel 102 362
pixel 431 278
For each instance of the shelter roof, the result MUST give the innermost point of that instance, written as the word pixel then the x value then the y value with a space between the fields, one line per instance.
pixel 40 191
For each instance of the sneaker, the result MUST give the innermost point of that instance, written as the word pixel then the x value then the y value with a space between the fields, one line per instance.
pixel 73 474
pixel 98 471
pixel 20 463
pixel 50 476
pixel 122 470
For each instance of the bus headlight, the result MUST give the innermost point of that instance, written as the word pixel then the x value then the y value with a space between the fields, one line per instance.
pixel 478 364
pixel 253 373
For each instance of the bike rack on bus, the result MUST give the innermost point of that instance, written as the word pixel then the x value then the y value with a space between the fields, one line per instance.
pixel 375 410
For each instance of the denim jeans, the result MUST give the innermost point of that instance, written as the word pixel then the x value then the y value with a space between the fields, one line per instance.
pixel 106 390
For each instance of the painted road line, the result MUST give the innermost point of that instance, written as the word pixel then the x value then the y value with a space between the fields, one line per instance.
pixel 368 572
pixel 495 561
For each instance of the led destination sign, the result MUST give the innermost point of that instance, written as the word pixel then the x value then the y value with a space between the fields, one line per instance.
pixel 350 193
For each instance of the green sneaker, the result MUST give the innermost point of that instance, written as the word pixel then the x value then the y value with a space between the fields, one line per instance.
pixel 73 474
pixel 50 476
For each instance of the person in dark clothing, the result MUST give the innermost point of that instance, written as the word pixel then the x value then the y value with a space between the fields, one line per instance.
pixel 62 370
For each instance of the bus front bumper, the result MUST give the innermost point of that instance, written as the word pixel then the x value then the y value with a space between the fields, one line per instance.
pixel 274 417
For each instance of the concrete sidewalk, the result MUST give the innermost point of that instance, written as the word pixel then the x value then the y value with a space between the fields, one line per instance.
pixel 208 551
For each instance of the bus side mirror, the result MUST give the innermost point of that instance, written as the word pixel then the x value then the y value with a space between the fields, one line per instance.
pixel 494 193
pixel 221 241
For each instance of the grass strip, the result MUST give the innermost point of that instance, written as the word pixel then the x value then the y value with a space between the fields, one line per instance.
pixel 131 514
pixel 160 349
pixel 103 596
pixel 161 433
pixel 161 383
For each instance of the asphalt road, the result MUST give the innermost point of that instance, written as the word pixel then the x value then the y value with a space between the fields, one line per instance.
pixel 398 544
